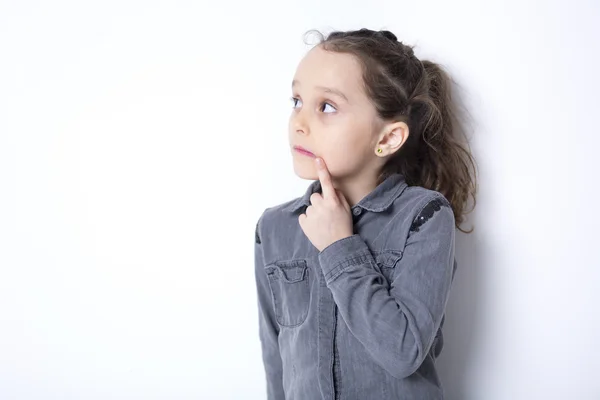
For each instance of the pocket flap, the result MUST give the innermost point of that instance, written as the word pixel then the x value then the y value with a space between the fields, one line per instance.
pixel 290 271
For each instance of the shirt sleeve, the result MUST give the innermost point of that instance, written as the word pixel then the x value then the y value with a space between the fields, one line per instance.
pixel 267 326
pixel 396 323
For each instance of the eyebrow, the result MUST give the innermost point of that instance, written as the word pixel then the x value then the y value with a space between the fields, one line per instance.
pixel 325 89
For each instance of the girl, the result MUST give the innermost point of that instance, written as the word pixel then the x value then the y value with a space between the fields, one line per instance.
pixel 353 277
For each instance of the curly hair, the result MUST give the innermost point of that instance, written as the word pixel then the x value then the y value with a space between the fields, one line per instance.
pixel 436 154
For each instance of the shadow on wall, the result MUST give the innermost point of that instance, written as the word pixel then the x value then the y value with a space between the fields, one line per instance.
pixel 463 315
pixel 464 311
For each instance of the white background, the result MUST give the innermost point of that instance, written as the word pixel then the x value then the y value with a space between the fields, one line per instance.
pixel 140 141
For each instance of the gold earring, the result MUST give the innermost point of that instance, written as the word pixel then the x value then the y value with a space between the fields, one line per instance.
pixel 379 151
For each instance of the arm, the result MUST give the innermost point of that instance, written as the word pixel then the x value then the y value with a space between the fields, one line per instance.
pixel 267 326
pixel 396 324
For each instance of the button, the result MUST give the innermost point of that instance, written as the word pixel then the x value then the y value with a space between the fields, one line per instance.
pixel 357 211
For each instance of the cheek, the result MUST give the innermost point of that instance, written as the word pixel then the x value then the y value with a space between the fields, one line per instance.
pixel 351 137
pixel 347 149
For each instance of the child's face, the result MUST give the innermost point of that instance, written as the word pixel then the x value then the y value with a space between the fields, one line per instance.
pixel 332 117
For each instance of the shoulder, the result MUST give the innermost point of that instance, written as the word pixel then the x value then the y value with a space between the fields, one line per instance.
pixel 272 217
pixel 417 205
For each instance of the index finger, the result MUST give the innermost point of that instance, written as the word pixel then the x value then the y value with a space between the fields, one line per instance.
pixel 325 179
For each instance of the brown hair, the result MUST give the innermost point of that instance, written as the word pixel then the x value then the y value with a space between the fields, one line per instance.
pixel 436 154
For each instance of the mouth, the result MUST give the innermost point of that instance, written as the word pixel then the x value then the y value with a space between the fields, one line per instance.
pixel 303 151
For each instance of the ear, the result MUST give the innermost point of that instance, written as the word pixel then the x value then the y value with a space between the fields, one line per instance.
pixel 392 138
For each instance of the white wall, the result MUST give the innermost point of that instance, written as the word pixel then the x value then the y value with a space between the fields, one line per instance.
pixel 140 141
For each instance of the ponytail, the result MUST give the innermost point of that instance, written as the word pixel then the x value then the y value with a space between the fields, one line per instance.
pixel 436 154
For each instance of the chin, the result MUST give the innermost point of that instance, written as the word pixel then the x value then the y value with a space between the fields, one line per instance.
pixel 304 174
pixel 305 171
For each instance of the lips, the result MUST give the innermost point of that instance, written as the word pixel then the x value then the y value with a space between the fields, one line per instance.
pixel 302 150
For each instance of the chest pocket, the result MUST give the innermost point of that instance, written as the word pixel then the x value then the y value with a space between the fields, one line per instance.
pixel 388 262
pixel 289 283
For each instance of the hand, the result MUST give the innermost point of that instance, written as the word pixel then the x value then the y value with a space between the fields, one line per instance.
pixel 328 218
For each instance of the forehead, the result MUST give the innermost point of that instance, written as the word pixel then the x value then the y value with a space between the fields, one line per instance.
pixel 327 68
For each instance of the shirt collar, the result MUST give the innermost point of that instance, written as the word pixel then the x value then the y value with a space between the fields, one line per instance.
pixel 379 199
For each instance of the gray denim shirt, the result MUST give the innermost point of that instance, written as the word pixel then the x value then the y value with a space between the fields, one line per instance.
pixel 361 319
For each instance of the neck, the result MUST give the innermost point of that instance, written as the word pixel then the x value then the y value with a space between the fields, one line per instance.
pixel 356 187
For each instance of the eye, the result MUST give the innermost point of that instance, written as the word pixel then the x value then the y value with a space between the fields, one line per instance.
pixel 295 101
pixel 330 106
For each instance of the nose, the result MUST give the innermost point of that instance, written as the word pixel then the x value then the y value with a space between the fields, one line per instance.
pixel 300 123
